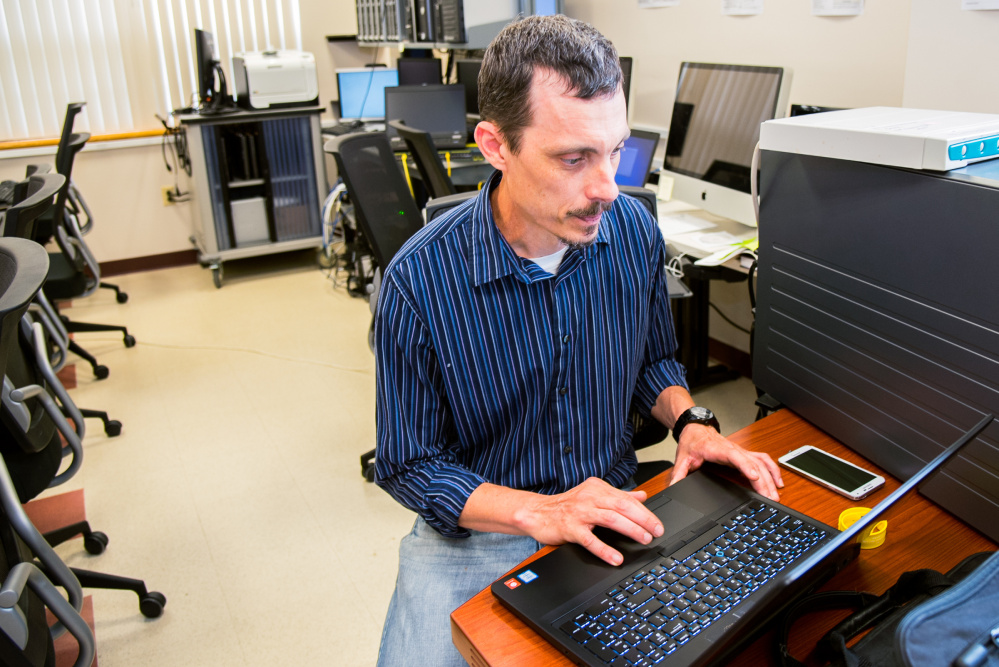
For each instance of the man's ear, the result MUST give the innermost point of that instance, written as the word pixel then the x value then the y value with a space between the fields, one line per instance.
pixel 490 141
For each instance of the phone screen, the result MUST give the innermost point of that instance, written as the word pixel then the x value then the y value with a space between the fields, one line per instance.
pixel 830 469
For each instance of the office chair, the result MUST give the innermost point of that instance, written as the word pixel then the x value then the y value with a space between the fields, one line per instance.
pixel 384 209
pixel 34 198
pixel 428 160
pixel 31 437
pixel 73 271
pixel 25 639
pixel 45 227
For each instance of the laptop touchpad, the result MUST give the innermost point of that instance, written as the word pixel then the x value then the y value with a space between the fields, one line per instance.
pixel 676 518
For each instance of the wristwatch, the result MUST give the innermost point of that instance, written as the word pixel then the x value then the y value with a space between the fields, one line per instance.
pixel 694 415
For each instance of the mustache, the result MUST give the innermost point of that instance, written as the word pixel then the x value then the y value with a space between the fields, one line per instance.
pixel 591 210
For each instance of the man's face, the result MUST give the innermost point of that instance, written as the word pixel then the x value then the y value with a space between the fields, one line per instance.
pixel 562 179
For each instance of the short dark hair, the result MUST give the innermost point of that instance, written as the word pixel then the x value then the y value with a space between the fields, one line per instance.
pixel 572 49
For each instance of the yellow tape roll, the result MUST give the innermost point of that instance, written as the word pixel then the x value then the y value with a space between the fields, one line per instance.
pixel 873 538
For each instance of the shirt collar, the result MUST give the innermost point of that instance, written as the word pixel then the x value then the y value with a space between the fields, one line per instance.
pixel 492 256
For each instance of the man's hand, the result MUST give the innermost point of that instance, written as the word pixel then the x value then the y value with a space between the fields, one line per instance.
pixel 700 443
pixel 564 517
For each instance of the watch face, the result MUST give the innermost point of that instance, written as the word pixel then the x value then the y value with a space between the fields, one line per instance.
pixel 700 413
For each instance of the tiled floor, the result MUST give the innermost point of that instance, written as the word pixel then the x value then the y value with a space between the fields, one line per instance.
pixel 235 487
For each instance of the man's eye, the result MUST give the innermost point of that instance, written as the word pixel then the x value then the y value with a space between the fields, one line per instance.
pixel 571 161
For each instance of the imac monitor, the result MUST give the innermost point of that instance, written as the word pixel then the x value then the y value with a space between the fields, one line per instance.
pixel 636 158
pixel 714 130
pixel 468 76
pixel 439 110
pixel 419 71
pixel 361 92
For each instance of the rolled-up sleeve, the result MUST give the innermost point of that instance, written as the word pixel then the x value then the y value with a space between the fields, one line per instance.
pixel 414 459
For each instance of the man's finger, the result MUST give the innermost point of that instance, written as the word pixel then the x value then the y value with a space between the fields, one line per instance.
pixel 594 545
pixel 764 483
pixel 679 471
pixel 773 468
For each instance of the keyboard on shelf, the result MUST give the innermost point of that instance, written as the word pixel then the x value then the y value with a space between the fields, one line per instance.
pixel 344 128
pixel 463 154
pixel 654 611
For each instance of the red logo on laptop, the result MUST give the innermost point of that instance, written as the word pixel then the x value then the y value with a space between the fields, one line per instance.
pixel 512 583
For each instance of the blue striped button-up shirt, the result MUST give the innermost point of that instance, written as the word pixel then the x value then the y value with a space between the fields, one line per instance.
pixel 490 369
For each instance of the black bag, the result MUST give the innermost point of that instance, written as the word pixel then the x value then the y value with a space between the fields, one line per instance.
pixel 926 619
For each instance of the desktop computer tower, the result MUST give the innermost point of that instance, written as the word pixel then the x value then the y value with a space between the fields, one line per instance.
pixel 878 315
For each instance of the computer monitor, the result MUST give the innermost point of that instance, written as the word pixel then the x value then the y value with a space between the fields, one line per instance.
pixel 807 109
pixel 468 76
pixel 419 71
pixel 636 158
pixel 210 94
pixel 541 7
pixel 439 110
pixel 626 63
pixel 714 130
pixel 361 92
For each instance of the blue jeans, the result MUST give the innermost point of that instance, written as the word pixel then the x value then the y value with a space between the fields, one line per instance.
pixel 436 576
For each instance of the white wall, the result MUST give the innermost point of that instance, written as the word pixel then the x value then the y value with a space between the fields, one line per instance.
pixel 841 61
pixel 951 58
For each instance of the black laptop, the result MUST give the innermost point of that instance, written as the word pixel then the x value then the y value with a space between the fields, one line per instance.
pixel 439 110
pixel 728 562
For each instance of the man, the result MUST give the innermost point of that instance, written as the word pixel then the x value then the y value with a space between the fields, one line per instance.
pixel 513 338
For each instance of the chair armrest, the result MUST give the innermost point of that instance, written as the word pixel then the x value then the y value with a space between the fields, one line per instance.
pixel 12 618
pixel 33 169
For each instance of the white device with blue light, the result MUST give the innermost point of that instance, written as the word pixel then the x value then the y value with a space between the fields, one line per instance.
pixel 895 137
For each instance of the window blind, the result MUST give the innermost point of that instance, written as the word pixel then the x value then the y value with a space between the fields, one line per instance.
pixel 129 60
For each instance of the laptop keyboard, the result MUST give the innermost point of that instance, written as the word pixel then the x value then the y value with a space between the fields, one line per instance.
pixel 654 611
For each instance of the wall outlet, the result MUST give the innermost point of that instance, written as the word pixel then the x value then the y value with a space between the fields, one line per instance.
pixel 167 191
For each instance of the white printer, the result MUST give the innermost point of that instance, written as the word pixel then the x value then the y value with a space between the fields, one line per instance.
pixel 275 79
pixel 913 138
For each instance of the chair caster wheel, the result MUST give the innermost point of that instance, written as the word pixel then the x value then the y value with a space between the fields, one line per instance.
pixel 129 340
pixel 369 472
pixel 95 543
pixel 151 605
pixel 121 297
pixel 113 428
pixel 101 372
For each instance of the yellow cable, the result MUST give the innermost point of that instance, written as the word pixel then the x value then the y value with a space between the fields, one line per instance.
pixel 447 159
pixel 405 171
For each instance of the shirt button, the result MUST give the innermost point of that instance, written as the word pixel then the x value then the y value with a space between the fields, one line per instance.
pixel 563 391
pixel 565 338
pixel 567 449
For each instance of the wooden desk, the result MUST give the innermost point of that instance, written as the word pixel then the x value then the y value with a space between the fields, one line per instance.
pixel 919 535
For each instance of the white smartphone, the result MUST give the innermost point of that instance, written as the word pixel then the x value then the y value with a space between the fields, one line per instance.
pixel 832 472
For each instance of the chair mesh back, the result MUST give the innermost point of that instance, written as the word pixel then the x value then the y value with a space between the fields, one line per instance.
pixel 644 195
pixel 428 161
pixel 383 205
pixel 33 199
